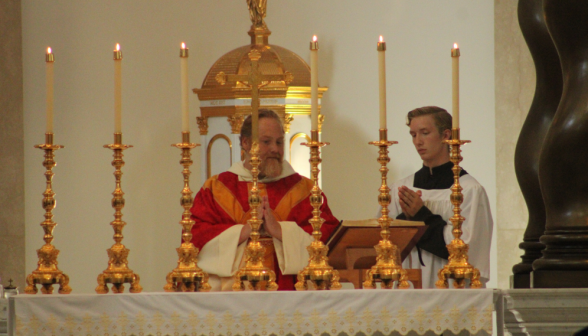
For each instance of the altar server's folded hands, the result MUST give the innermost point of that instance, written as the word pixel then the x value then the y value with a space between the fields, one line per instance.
pixel 410 201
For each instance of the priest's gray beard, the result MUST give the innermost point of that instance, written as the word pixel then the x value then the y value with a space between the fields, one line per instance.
pixel 271 167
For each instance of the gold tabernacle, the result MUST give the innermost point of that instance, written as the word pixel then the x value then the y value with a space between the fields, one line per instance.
pixel 388 267
pixel 118 272
pixel 187 276
pixel 259 276
pixel 458 268
pixel 47 274
pixel 318 272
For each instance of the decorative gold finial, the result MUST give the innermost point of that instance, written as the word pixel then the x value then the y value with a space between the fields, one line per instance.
pixel 259 32
pixel 321 120
pixel 202 125
pixel 288 118
pixel 257 11
pixel 236 122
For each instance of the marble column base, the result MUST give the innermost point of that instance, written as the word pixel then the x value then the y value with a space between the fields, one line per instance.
pixel 541 312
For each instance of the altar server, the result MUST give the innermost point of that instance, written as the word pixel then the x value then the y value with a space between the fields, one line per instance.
pixel 221 210
pixel 425 196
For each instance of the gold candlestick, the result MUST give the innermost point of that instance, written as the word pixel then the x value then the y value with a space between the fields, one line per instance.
pixel 47 274
pixel 318 271
pixel 187 277
pixel 259 276
pixel 458 268
pixel 118 272
pixel 388 267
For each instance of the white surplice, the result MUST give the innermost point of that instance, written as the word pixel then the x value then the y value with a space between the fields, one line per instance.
pixel 477 226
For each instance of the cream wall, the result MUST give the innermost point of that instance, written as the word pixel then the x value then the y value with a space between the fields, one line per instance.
pixel 82 33
pixel 12 233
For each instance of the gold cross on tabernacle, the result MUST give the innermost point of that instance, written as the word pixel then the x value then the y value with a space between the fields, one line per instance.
pixel 255 80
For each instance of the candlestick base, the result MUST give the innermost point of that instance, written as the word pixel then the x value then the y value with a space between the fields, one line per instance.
pixel 458 268
pixel 187 276
pixel 118 272
pixel 388 268
pixel 47 273
pixel 321 275
pixel 259 276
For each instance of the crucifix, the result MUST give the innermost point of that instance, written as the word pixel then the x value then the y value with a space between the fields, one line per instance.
pixel 259 276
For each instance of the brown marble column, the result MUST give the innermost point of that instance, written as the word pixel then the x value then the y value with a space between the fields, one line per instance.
pixel 563 171
pixel 548 88
pixel 12 227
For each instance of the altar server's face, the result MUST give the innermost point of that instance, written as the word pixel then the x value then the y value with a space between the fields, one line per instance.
pixel 428 142
pixel 271 148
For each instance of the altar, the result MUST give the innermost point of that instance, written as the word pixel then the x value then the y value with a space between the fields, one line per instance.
pixel 343 312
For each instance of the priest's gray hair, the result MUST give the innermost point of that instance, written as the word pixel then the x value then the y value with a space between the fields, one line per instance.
pixel 246 129
pixel 441 117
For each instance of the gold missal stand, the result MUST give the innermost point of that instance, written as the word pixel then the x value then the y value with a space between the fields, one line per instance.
pixel 187 277
pixel 352 253
pixel 47 274
pixel 318 272
pixel 388 267
pixel 458 268
pixel 118 272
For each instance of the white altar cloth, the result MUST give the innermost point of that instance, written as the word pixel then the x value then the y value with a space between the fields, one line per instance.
pixel 349 312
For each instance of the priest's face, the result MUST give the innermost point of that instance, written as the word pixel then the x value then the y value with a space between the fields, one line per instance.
pixel 428 141
pixel 271 148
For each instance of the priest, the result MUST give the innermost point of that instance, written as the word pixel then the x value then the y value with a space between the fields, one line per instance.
pixel 221 210
pixel 425 196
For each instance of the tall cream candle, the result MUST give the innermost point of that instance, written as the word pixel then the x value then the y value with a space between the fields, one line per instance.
pixel 117 89
pixel 455 84
pixel 314 84
pixel 382 79
pixel 184 84
pixel 49 60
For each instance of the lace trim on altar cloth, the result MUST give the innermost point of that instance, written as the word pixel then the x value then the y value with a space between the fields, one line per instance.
pixel 384 322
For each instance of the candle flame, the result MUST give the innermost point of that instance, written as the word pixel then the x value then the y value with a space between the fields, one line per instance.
pixel 381 38
pixel 314 38
pixel 183 45
pixel 455 46
pixel 48 50
pixel 117 47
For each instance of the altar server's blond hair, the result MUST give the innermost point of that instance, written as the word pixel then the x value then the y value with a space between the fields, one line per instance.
pixel 441 117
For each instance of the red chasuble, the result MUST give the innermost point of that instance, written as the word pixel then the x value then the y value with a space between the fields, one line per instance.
pixel 223 202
